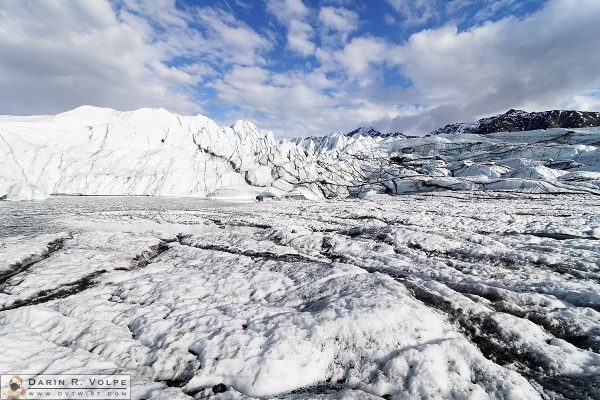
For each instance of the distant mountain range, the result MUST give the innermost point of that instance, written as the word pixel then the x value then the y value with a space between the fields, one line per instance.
pixel 372 132
pixel 510 121
pixel 518 120
pixel 364 131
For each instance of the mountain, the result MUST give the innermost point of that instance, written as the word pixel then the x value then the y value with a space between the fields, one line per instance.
pixel 372 132
pixel 338 140
pixel 357 140
pixel 518 120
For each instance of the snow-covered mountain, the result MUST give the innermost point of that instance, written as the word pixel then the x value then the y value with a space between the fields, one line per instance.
pixel 372 132
pixel 152 152
pixel 518 120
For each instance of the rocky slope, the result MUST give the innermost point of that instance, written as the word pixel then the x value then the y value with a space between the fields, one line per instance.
pixel 517 120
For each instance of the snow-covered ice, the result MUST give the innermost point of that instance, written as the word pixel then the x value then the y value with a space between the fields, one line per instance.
pixel 464 295
pixel 152 152
pixel 20 191
pixel 480 280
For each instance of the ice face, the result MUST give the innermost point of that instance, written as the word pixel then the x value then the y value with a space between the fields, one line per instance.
pixel 447 295
pixel 151 152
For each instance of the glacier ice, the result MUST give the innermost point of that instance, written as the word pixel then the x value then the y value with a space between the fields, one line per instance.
pixel 152 152
pixel 475 283
pixel 20 191
pixel 483 295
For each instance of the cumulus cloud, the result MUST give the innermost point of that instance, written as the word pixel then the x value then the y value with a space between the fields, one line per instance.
pixel 59 54
pixel 416 12
pixel 292 14
pixel 541 62
pixel 56 55
pixel 305 103
pixel 360 57
pixel 338 22
pixel 229 40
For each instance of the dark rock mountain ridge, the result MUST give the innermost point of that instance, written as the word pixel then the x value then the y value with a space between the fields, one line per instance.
pixel 518 120
pixel 370 131
pixel 511 121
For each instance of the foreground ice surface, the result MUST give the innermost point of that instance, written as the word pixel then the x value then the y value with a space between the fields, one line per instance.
pixel 465 295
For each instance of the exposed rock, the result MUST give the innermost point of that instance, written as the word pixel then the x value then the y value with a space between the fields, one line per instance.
pixel 517 120
pixel 220 388
pixel 372 132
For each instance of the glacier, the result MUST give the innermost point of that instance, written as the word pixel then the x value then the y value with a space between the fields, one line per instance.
pixel 466 294
pixel 152 152
pixel 454 266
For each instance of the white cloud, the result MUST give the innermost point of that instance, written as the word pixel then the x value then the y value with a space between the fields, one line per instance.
pixel 293 14
pixel 56 55
pixel 389 19
pixel 416 12
pixel 360 57
pixel 229 40
pixel 297 103
pixel 336 25
pixel 433 13
pixel 258 90
pixel 540 62
pixel 245 4
pixel 338 19
pixel 162 12
pixel 287 10
pixel 298 37
pixel 60 54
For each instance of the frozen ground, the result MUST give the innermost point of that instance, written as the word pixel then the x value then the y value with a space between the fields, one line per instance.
pixel 462 295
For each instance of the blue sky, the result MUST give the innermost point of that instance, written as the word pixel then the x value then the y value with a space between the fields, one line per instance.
pixel 302 67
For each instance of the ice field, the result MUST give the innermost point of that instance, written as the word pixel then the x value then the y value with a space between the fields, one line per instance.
pixel 464 295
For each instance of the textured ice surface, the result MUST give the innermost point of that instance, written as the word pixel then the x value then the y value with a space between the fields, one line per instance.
pixel 446 295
